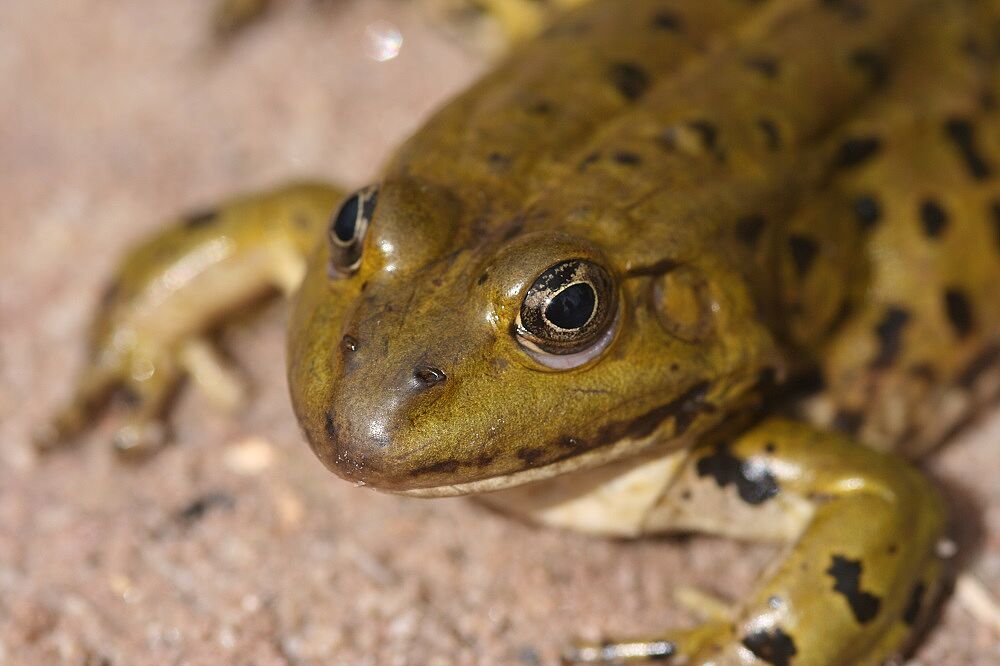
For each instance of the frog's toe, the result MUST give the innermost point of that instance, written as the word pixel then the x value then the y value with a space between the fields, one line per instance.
pixel 75 416
pixel 613 653
pixel 687 646
pixel 219 383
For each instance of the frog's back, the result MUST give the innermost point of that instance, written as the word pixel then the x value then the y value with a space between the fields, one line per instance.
pixel 850 181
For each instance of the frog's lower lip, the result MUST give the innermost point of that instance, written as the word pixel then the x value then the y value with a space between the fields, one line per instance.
pixel 588 460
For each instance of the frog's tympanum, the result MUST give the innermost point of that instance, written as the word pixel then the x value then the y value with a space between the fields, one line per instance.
pixel 718 266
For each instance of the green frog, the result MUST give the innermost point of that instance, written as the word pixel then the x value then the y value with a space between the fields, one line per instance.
pixel 722 267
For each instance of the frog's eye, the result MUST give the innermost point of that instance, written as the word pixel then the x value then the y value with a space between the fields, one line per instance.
pixel 568 314
pixel 347 230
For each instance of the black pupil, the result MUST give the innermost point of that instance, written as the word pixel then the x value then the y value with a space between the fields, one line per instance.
pixel 347 220
pixel 572 307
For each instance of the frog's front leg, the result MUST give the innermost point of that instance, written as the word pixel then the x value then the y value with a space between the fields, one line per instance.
pixel 861 529
pixel 149 329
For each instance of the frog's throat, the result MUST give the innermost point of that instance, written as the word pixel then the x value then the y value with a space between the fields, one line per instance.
pixel 621 449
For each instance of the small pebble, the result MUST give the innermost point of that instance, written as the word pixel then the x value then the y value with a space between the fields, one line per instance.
pixel 248 457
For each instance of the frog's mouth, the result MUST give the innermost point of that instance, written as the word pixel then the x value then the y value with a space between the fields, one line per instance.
pixel 594 458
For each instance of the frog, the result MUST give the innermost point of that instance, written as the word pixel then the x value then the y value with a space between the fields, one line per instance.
pixel 720 267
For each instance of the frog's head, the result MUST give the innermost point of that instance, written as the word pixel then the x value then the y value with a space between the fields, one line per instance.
pixel 427 361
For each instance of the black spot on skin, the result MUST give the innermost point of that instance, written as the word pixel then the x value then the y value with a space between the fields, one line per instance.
pixel 987 101
pixel 763 65
pixel 587 161
pixel 804 251
pixel 669 21
pixel 867 211
pixel 754 482
pixel 973 49
pixel 846 575
pixel 807 383
pixel 498 161
pixel 889 332
pixel 201 218
pixel 531 455
pixel 540 108
pixel 848 421
pixel 330 427
pixel 767 379
pixel 856 151
pixel 484 460
pixel 961 133
pixel 979 366
pixel 995 210
pixel 772 137
pixel 912 611
pixel 933 218
pixel 482 279
pixel 707 133
pixel 748 229
pixel 872 65
pixel 627 158
pixel 200 506
pixel 773 646
pixel 843 313
pixel 925 371
pixel 513 230
pixel 959 311
pixel 629 79
pixel 850 10
pixel 442 467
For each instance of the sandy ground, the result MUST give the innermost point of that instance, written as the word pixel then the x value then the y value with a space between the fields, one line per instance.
pixel 236 546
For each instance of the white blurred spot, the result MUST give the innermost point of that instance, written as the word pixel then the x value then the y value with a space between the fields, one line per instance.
pixel 384 40
pixel 249 456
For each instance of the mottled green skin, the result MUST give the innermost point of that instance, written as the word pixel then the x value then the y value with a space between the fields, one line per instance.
pixel 519 174
pixel 798 205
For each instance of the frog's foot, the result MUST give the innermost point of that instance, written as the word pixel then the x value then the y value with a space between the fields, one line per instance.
pixel 145 385
pixel 146 392
pixel 197 271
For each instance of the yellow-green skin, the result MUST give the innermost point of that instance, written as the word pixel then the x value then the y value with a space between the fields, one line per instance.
pixel 798 204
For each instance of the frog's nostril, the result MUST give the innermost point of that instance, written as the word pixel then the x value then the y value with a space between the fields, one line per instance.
pixel 428 376
pixel 348 343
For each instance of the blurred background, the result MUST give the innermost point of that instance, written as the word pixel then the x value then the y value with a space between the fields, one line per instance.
pixel 235 545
